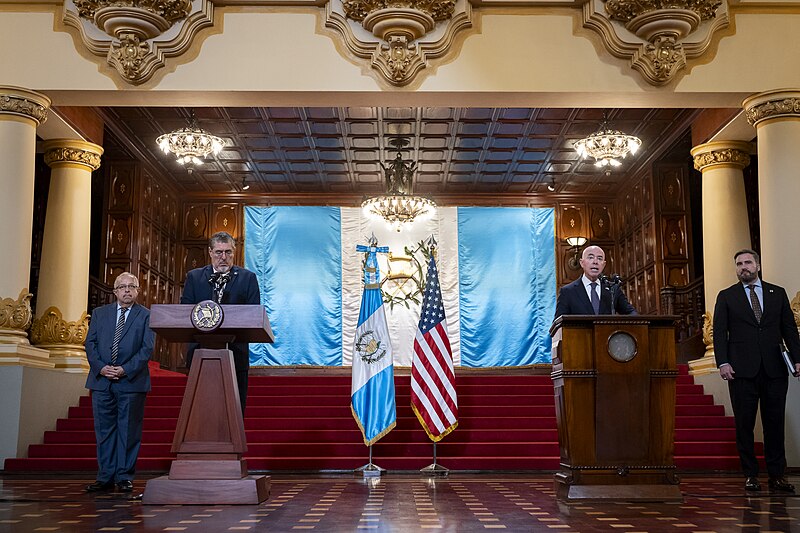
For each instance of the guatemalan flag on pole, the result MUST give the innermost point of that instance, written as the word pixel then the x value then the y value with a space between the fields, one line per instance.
pixel 433 381
pixel 372 392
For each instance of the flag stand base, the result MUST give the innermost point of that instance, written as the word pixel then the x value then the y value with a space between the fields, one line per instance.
pixel 435 470
pixel 371 470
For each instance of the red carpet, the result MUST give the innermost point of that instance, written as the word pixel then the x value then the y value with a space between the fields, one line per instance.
pixel 304 423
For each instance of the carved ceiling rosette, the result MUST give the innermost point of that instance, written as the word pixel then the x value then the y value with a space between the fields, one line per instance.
pixel 137 36
pixel 657 36
pixel 399 37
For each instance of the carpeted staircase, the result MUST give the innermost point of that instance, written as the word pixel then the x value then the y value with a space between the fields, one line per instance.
pixel 303 423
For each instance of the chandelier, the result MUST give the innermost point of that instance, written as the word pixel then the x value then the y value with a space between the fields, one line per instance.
pixel 190 144
pixel 398 207
pixel 607 146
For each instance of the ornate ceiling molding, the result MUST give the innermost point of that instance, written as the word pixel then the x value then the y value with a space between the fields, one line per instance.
pixel 721 153
pixel 138 36
pixel 657 36
pixel 398 37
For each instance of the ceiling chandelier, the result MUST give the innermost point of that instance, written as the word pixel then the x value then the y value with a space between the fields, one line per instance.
pixel 190 144
pixel 398 207
pixel 607 146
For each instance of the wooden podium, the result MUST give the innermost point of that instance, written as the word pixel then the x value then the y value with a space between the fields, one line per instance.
pixel 209 438
pixel 614 379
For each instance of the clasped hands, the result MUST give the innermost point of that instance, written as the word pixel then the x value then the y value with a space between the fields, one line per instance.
pixel 112 372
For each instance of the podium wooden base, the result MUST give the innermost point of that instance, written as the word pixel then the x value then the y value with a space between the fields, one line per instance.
pixel 250 490
pixel 570 492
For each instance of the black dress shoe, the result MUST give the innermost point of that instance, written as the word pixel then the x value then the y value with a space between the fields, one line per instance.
pixel 780 484
pixel 752 484
pixel 125 486
pixel 100 486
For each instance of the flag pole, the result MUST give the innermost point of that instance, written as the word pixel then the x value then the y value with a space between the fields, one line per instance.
pixel 435 469
pixel 371 469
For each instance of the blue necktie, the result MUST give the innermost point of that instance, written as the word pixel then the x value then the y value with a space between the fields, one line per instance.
pixel 595 298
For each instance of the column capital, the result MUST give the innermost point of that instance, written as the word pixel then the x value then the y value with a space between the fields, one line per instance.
pixel 58 152
pixel 771 105
pixel 733 154
pixel 18 102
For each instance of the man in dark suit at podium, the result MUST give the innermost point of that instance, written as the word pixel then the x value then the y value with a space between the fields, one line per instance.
pixel 118 348
pixel 752 321
pixel 589 294
pixel 224 283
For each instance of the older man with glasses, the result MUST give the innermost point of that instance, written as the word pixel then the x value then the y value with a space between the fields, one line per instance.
pixel 224 283
pixel 118 347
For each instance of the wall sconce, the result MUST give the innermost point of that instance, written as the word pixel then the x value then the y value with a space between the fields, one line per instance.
pixel 576 243
pixel 245 185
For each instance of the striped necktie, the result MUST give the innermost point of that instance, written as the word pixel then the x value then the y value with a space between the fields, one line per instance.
pixel 118 335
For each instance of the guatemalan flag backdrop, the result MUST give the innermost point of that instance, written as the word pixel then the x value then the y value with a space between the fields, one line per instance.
pixel 496 271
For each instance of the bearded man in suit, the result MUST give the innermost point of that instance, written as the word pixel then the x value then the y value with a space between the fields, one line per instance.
pixel 224 283
pixel 589 295
pixel 118 348
pixel 753 320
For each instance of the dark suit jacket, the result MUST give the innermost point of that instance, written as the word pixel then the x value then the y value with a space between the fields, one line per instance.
pixel 241 289
pixel 573 300
pixel 135 348
pixel 744 343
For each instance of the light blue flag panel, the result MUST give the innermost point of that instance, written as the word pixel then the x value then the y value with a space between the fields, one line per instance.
pixel 296 253
pixel 506 264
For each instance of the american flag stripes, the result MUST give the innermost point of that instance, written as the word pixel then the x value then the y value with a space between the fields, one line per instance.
pixel 433 381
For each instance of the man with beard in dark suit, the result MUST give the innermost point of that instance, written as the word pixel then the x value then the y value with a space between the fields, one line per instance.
pixel 224 283
pixel 752 321
pixel 589 295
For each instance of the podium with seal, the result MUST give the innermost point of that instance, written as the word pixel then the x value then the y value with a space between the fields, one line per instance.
pixel 209 438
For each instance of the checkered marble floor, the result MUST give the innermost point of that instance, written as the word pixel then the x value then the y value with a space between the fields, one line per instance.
pixel 396 502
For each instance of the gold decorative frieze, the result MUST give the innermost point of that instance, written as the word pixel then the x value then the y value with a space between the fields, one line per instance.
pixel 721 153
pixel 784 103
pixel 69 151
pixel 24 103
pixel 16 315
pixel 137 36
pixel 405 34
pixel 51 329
pixel 657 36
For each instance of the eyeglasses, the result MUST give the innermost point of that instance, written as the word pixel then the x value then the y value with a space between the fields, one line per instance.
pixel 220 253
pixel 130 287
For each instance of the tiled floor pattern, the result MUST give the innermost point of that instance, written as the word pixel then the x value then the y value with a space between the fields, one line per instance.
pixel 402 503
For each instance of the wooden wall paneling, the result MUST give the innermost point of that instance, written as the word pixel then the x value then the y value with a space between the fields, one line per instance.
pixel 121 190
pixel 638 249
pixel 119 235
pixel 649 236
pixel 144 285
pixel 677 274
pixel 145 242
pixel 112 270
pixel 153 292
pixel 612 267
pixel 674 237
pixel 195 256
pixel 600 227
pixel 571 223
pixel 647 195
pixel 566 274
pixel 672 190
pixel 147 195
pixel 163 253
pixel 626 214
pixel 195 222
pixel 225 217
pixel 641 302
pixel 651 291
pixel 636 208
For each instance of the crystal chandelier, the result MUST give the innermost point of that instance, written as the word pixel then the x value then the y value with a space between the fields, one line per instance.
pixel 190 144
pixel 398 207
pixel 607 146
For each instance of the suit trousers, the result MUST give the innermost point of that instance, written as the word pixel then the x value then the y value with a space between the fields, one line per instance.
pixel 118 419
pixel 746 395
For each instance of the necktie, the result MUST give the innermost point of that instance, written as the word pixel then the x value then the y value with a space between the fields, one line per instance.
pixel 595 298
pixel 118 335
pixel 755 303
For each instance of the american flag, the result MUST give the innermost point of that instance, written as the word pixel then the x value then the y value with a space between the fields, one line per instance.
pixel 433 380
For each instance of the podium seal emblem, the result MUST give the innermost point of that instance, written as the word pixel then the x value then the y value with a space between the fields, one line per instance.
pixel 207 316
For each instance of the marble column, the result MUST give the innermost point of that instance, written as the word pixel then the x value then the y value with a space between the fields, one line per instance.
pixel 61 321
pixel 21 111
pixel 725 226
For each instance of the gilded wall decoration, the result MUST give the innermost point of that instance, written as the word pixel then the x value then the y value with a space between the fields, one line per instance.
pixel 16 314
pixel 136 37
pixel 656 36
pixel 51 329
pixel 399 37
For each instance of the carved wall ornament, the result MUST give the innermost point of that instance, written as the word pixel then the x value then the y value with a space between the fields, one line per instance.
pixel 24 103
pixel 657 36
pixel 68 151
pixel 137 36
pixel 721 153
pixel 16 314
pixel 773 104
pixel 51 329
pixel 399 37
pixel 795 306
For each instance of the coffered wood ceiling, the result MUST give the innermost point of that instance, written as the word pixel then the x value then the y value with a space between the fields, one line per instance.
pixel 337 151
